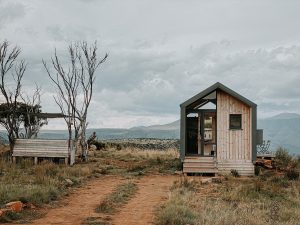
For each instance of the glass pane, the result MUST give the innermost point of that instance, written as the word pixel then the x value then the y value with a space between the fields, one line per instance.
pixel 235 121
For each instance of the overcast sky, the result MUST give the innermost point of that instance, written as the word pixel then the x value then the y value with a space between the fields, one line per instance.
pixel 162 52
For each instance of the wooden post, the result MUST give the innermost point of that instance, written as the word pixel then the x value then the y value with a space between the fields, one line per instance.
pixel 14 159
pixel 35 160
pixel 199 138
pixel 66 161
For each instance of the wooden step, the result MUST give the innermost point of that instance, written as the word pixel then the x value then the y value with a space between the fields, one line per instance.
pixel 199 170
pixel 199 157
pixel 199 160
pixel 199 166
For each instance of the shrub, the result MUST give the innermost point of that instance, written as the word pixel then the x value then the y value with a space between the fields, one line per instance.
pixel 282 159
pixel 99 145
pixel 281 181
pixel 292 174
pixel 176 214
pixel 234 173
pixel 9 216
pixel 257 170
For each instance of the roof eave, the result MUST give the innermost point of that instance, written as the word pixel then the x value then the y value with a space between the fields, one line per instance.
pixel 214 87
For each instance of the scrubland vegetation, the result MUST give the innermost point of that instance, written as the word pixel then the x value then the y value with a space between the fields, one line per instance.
pixel 272 197
pixel 43 183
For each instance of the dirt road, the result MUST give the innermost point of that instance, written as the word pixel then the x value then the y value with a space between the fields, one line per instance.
pixel 82 202
pixel 153 190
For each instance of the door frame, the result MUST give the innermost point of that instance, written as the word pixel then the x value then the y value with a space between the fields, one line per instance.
pixel 201 114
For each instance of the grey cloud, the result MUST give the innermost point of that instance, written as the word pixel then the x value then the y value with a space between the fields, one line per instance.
pixel 161 87
pixel 10 12
pixel 163 52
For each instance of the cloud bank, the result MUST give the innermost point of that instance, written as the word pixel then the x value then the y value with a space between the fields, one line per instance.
pixel 163 52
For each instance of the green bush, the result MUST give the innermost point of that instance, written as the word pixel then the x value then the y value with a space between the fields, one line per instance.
pixel 175 214
pixel 282 158
pixel 292 174
pixel 10 216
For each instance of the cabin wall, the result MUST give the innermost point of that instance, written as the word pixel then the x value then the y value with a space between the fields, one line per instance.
pixel 234 147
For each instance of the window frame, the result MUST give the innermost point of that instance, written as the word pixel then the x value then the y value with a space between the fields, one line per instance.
pixel 235 116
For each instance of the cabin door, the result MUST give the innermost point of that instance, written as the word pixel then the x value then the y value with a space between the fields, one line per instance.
pixel 201 133
pixel 192 135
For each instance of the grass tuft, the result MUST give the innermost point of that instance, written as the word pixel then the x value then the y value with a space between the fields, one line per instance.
pixel 117 198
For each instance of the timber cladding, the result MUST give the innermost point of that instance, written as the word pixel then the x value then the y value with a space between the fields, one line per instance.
pixel 233 144
pixel 233 132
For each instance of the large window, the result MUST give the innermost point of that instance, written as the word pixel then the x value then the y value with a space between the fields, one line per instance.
pixel 235 121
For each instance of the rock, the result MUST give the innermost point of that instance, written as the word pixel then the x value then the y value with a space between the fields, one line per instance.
pixel 16 206
pixel 93 147
pixel 206 180
pixel 177 172
pixel 69 182
pixel 3 211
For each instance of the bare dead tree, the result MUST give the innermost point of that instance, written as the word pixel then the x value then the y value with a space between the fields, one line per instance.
pixel 10 68
pixel 75 87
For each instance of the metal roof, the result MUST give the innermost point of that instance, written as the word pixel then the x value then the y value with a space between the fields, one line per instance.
pixel 217 86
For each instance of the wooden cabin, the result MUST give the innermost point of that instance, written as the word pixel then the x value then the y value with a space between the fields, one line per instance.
pixel 218 132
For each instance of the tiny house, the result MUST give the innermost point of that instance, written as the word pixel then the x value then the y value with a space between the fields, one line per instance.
pixel 218 132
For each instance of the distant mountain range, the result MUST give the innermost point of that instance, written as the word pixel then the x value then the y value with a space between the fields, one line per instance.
pixel 281 130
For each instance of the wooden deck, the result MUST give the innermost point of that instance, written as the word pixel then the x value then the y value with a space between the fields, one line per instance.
pixel 206 165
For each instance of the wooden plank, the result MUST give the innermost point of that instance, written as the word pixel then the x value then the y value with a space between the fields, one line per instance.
pixel 50 155
pixel 41 148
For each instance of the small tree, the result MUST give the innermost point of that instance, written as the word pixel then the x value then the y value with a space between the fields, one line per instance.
pixel 10 68
pixel 33 120
pixel 27 119
pixel 282 158
pixel 75 87
pixel 16 113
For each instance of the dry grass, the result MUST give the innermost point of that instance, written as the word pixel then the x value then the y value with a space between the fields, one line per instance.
pixel 253 201
pixel 117 198
pixel 138 162
pixel 43 183
pixel 38 184
pixel 147 154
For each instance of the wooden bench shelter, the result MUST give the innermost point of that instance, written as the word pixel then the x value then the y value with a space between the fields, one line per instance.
pixel 41 148
pixel 218 132
pixel 45 148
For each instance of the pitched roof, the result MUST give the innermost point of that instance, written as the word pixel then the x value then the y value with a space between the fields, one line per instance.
pixel 213 88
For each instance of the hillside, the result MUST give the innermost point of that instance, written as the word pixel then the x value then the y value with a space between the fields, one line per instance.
pixel 281 130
